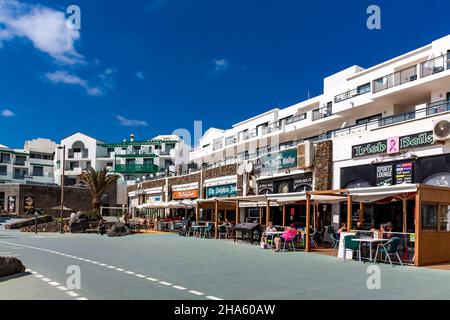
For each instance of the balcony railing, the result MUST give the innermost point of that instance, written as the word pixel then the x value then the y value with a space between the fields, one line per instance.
pixel 395 79
pixel 435 65
pixel 352 93
pixel 136 168
pixel 322 113
pixel 249 134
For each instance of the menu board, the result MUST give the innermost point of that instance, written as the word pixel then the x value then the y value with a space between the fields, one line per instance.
pixel 403 172
pixel 384 175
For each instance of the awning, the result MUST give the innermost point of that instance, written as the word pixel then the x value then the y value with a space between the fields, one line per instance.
pixel 373 194
pixel 323 198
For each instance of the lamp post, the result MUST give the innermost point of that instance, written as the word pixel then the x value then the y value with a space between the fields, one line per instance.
pixel 61 223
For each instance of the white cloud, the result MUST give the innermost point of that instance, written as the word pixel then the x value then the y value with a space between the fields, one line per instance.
pixel 131 123
pixel 140 75
pixel 63 77
pixel 7 113
pixel 221 65
pixel 44 27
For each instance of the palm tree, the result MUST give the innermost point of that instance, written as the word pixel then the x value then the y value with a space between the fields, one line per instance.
pixel 98 182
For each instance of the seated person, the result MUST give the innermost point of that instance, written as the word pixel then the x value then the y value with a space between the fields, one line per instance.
pixel 359 226
pixel 343 228
pixel 288 234
pixel 226 223
pixel 388 227
pixel 269 228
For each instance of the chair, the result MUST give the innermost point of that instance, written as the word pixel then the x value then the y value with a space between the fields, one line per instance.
pixel 351 245
pixel 223 231
pixel 208 230
pixel 312 239
pixel 335 245
pixel 291 241
pixel 389 248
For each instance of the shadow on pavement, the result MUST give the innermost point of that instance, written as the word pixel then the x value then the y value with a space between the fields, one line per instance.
pixel 14 276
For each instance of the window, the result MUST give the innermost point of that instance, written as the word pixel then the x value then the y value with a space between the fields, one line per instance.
pixel 74 164
pixel 148 161
pixel 429 216
pixel 48 156
pixel 3 171
pixel 363 88
pixel 369 119
pixel 5 158
pixel 35 156
pixel 129 161
pixel 20 160
pixel 38 171
pixel 444 218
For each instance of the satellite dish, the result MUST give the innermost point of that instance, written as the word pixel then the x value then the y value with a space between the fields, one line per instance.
pixel 241 169
pixel 442 129
pixel 249 167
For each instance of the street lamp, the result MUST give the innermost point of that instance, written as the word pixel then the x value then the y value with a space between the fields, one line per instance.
pixel 63 148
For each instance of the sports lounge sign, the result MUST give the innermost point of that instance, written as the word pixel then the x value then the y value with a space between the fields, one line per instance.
pixel 278 160
pixel 393 145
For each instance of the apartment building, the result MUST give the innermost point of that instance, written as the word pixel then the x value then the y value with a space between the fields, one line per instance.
pixel 407 91
pixel 133 160
pixel 31 165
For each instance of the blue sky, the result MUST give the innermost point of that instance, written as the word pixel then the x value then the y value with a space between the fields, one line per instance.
pixel 153 66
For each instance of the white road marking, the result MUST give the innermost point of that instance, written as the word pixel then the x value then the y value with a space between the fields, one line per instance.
pixel 196 292
pixel 76 295
pixel 179 288
pixel 152 279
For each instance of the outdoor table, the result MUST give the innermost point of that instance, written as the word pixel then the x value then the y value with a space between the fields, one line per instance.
pixel 273 234
pixel 370 241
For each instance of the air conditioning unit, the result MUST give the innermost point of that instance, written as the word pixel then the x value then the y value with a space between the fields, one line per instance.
pixel 305 155
pixel 441 130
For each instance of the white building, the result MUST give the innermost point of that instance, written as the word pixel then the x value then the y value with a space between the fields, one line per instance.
pixel 32 164
pixel 131 159
pixel 354 102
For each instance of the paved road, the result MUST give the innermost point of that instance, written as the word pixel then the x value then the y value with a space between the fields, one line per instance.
pixel 166 266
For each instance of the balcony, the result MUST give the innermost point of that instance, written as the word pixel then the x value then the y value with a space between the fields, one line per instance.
pixel 84 154
pixel 395 79
pixel 435 65
pixel 321 113
pixel 136 168
pixel 249 134
pixel 352 93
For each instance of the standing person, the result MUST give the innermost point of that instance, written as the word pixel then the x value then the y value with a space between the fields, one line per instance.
pixel 343 228
pixel 101 227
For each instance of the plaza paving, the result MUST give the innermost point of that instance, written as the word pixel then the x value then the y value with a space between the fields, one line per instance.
pixel 166 266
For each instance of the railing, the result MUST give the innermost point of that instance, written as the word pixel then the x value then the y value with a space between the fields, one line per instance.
pixel 250 134
pixel 395 79
pixel 435 65
pixel 231 140
pixel 352 93
pixel 139 168
pixel 19 163
pixel 321 113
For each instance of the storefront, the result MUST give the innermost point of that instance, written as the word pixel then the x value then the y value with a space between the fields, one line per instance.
pixel 221 187
pixel 185 193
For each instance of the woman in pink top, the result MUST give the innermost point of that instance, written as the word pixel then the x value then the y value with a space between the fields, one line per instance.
pixel 288 235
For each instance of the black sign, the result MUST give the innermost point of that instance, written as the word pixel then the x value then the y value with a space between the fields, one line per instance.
pixel 11 204
pixel 404 172
pixel 384 175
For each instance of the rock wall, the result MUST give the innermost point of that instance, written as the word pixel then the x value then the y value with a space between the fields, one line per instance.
pixel 28 222
pixel 323 166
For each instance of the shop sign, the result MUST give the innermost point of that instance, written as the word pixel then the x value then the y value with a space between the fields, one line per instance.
pixel 154 199
pixel 305 181
pixel 185 194
pixel 278 160
pixel 265 186
pixel 28 203
pixel 403 173
pixel 384 175
pixel 220 191
pixel 393 145
pixel 11 204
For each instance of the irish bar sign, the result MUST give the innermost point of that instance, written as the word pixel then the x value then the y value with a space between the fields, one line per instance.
pixel 393 145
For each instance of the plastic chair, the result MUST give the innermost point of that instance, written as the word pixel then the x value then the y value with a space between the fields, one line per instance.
pixel 312 239
pixel 349 244
pixel 389 248
pixel 208 230
pixel 291 241
pixel 223 231
pixel 335 245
